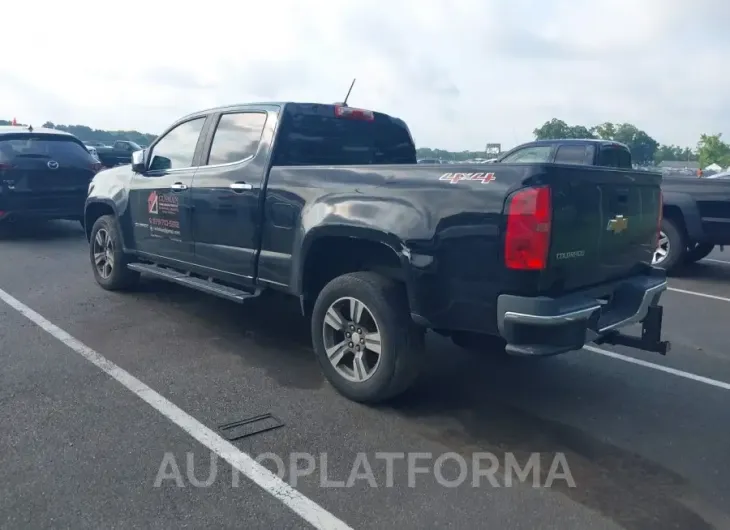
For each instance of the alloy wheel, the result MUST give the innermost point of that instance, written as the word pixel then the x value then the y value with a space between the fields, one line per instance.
pixel 103 249
pixel 352 339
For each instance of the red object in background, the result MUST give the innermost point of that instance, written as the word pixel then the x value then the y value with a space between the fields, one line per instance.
pixel 15 122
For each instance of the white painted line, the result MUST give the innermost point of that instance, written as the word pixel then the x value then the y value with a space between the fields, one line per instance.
pixel 665 369
pixel 716 261
pixel 307 509
pixel 703 295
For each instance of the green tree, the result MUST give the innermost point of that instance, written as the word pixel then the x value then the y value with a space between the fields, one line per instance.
pixel 712 150
pixel 642 145
pixel 674 153
pixel 556 129
pixel 87 134
pixel 605 131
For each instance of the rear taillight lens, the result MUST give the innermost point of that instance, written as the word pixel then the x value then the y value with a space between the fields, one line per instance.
pixel 527 238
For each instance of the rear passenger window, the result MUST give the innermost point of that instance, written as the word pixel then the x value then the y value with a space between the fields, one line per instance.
pixel 575 154
pixel 534 154
pixel 237 137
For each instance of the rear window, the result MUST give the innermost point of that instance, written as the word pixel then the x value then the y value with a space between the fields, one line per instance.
pixel 58 148
pixel 311 135
pixel 614 156
pixel 575 154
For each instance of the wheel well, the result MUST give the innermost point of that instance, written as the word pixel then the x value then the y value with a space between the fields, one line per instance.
pixel 330 257
pixel 674 214
pixel 92 213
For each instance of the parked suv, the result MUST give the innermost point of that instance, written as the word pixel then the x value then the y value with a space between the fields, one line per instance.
pixel 44 173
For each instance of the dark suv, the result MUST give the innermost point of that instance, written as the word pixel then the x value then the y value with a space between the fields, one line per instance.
pixel 44 173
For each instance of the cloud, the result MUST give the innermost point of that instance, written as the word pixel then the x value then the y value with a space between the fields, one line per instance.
pixel 460 73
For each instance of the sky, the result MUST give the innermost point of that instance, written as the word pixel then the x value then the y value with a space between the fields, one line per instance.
pixel 461 73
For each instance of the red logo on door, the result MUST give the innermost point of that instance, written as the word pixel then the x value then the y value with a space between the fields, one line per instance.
pixel 152 203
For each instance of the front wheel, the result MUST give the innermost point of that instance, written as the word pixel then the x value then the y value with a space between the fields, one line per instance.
pixel 364 339
pixel 108 260
pixel 698 252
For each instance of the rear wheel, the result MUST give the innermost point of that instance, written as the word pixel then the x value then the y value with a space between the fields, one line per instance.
pixel 697 252
pixel 364 339
pixel 108 260
pixel 671 247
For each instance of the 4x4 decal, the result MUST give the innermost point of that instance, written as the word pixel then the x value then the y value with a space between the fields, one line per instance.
pixel 453 178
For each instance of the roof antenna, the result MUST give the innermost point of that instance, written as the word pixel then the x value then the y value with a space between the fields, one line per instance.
pixel 30 128
pixel 344 103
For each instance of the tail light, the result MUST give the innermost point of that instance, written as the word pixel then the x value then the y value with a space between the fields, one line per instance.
pixel 527 238
pixel 354 114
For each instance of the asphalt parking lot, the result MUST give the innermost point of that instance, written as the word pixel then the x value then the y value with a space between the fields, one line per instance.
pixel 98 390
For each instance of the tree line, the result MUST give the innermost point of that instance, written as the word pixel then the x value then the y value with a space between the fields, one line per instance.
pixel 100 136
pixel 645 150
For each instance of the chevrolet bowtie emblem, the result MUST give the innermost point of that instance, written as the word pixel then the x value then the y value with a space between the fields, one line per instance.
pixel 618 224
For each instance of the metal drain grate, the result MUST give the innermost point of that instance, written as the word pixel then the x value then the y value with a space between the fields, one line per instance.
pixel 250 426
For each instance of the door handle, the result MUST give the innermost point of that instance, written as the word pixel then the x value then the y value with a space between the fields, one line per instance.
pixel 178 186
pixel 241 186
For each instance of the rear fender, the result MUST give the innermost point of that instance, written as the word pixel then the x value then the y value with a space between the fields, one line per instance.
pixel 690 213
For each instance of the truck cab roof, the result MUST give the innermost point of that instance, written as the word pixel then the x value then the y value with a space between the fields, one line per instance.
pixel 582 151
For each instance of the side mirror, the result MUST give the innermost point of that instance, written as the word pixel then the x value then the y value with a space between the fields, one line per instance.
pixel 138 161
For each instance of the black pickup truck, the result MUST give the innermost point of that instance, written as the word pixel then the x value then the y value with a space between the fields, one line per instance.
pixel 696 220
pixel 696 211
pixel 326 203
pixel 117 154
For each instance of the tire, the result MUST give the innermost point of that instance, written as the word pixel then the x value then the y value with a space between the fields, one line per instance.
pixel 698 252
pixel 480 343
pixel 401 340
pixel 674 241
pixel 119 277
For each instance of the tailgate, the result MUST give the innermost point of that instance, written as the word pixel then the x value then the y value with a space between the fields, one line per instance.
pixel 45 163
pixel 604 224
pixel 34 175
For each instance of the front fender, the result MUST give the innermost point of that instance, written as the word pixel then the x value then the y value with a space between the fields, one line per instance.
pixel 110 188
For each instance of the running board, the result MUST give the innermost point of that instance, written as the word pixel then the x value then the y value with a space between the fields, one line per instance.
pixel 206 286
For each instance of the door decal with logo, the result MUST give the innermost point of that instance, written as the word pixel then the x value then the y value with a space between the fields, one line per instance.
pixel 164 213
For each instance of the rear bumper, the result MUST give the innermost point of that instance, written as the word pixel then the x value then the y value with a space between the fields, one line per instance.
pixel 43 206
pixel 548 326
